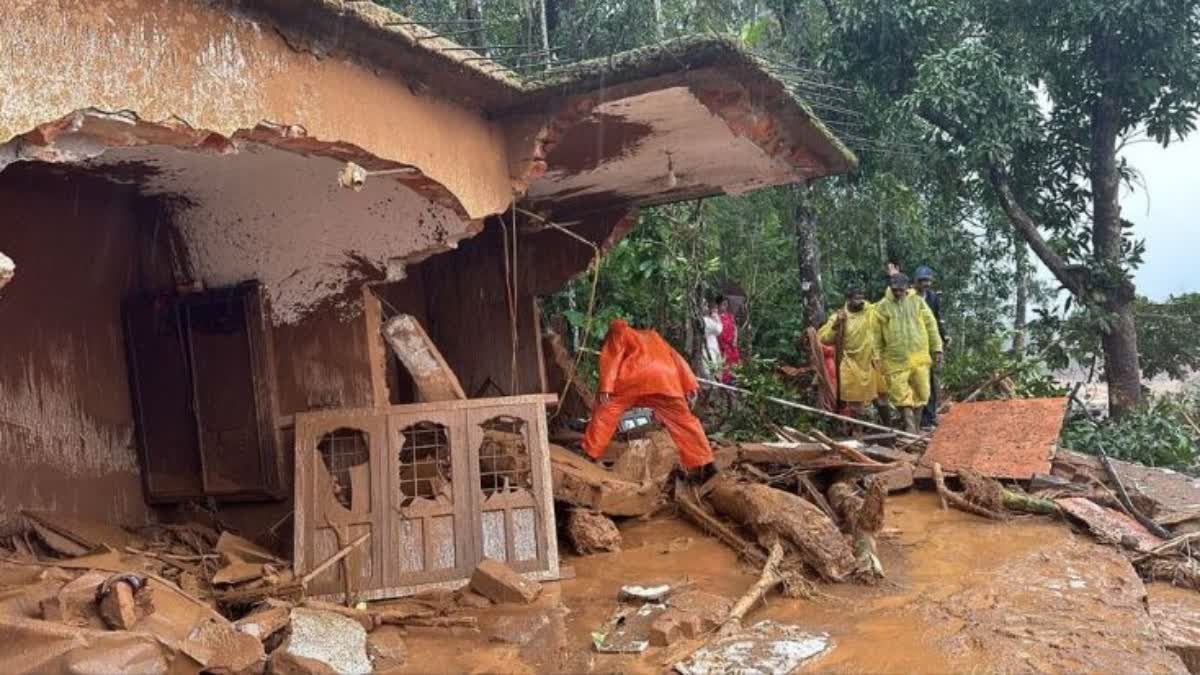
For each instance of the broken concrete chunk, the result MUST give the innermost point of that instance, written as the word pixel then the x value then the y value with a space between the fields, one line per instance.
pixel 264 622
pixel 592 532
pixel 1111 527
pixel 499 583
pixel 335 640
pixel 434 379
pixel 221 649
pixel 767 647
pixel 897 479
pixel 471 599
pixel 689 615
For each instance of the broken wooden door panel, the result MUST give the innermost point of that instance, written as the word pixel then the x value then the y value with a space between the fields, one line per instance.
pixel 429 515
pixel 503 440
pixel 339 475
pixel 155 338
pixel 450 482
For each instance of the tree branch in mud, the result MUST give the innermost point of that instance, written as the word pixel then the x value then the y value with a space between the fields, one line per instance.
pixel 771 576
pixel 862 516
pixel 958 501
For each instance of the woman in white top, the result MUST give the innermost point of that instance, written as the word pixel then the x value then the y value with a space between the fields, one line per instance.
pixel 714 364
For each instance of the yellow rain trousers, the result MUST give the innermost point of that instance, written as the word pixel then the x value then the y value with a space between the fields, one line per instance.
pixel 907 335
pixel 857 377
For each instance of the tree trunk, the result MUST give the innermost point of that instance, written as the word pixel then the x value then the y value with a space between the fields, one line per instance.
pixel 658 19
pixel 472 11
pixel 808 258
pixel 1020 318
pixel 1120 339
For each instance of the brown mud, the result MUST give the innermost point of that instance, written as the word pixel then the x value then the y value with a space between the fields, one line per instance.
pixel 962 594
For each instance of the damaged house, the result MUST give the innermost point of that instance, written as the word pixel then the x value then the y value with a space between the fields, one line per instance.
pixel 214 208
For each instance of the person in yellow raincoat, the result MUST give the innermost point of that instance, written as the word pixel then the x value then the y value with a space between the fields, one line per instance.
pixel 909 343
pixel 859 379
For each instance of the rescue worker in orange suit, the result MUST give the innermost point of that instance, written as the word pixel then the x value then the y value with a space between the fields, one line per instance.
pixel 639 369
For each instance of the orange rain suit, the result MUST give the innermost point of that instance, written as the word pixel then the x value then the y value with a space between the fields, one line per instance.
pixel 639 369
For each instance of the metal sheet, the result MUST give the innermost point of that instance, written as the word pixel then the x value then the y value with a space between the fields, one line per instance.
pixel 1109 525
pixel 1001 439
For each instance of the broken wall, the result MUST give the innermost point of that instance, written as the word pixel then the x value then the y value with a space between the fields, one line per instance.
pixel 66 422
pixel 192 61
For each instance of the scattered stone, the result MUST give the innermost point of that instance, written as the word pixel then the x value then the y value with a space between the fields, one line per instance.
pixel 592 532
pixel 386 647
pixel 499 583
pixel 221 649
pixel 335 640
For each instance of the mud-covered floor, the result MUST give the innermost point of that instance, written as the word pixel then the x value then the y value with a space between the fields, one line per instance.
pixel 962 595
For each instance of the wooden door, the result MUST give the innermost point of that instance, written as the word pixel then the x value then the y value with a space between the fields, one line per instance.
pixel 508 486
pixel 428 502
pixel 339 479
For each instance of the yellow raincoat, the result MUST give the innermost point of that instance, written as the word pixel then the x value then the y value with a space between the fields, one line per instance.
pixel 906 335
pixel 857 376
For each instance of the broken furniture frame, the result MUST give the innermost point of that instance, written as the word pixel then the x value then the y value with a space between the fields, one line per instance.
pixel 439 485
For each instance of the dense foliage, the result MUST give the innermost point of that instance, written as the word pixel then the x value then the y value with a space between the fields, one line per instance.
pixel 989 135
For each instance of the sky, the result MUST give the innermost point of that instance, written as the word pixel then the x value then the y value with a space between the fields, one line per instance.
pixel 1165 212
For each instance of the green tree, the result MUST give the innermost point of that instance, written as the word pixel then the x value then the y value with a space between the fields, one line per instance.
pixel 1036 98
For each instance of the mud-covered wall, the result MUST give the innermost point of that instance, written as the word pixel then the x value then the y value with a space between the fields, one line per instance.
pixel 66 424
pixel 190 60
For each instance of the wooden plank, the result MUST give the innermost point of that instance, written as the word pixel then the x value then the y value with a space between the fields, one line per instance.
pixel 434 379
pixel 435 406
pixel 376 351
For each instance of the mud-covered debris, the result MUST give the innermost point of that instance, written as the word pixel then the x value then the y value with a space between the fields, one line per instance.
pixel 1110 526
pixel 283 662
pixel 83 533
pixel 898 478
pixel 578 482
pixel 689 615
pixel 518 629
pixel 465 597
pixel 592 532
pixel 767 647
pixel 627 631
pixel 499 583
pixel 245 550
pixel 1176 615
pixel 999 439
pixel 123 600
pixel 219 648
pixel 335 640
pixel 264 622
pixel 236 570
pixel 387 649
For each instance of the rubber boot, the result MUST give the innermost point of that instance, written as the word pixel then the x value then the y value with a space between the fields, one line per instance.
pixel 885 413
pixel 910 419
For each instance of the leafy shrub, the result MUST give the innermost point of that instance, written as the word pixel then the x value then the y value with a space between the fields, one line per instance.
pixel 967 369
pixel 1158 434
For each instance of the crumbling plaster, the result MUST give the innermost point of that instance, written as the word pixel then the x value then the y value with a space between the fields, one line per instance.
pixel 192 61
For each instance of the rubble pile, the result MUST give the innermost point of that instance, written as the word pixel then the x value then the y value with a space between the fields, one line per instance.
pixel 186 598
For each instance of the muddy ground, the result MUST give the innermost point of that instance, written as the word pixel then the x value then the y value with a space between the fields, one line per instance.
pixel 962 595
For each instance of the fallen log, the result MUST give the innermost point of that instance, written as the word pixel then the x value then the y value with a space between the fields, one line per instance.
pixel 990 494
pixel 774 515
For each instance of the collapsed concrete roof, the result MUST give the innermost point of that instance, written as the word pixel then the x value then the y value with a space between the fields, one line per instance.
pixel 685 118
